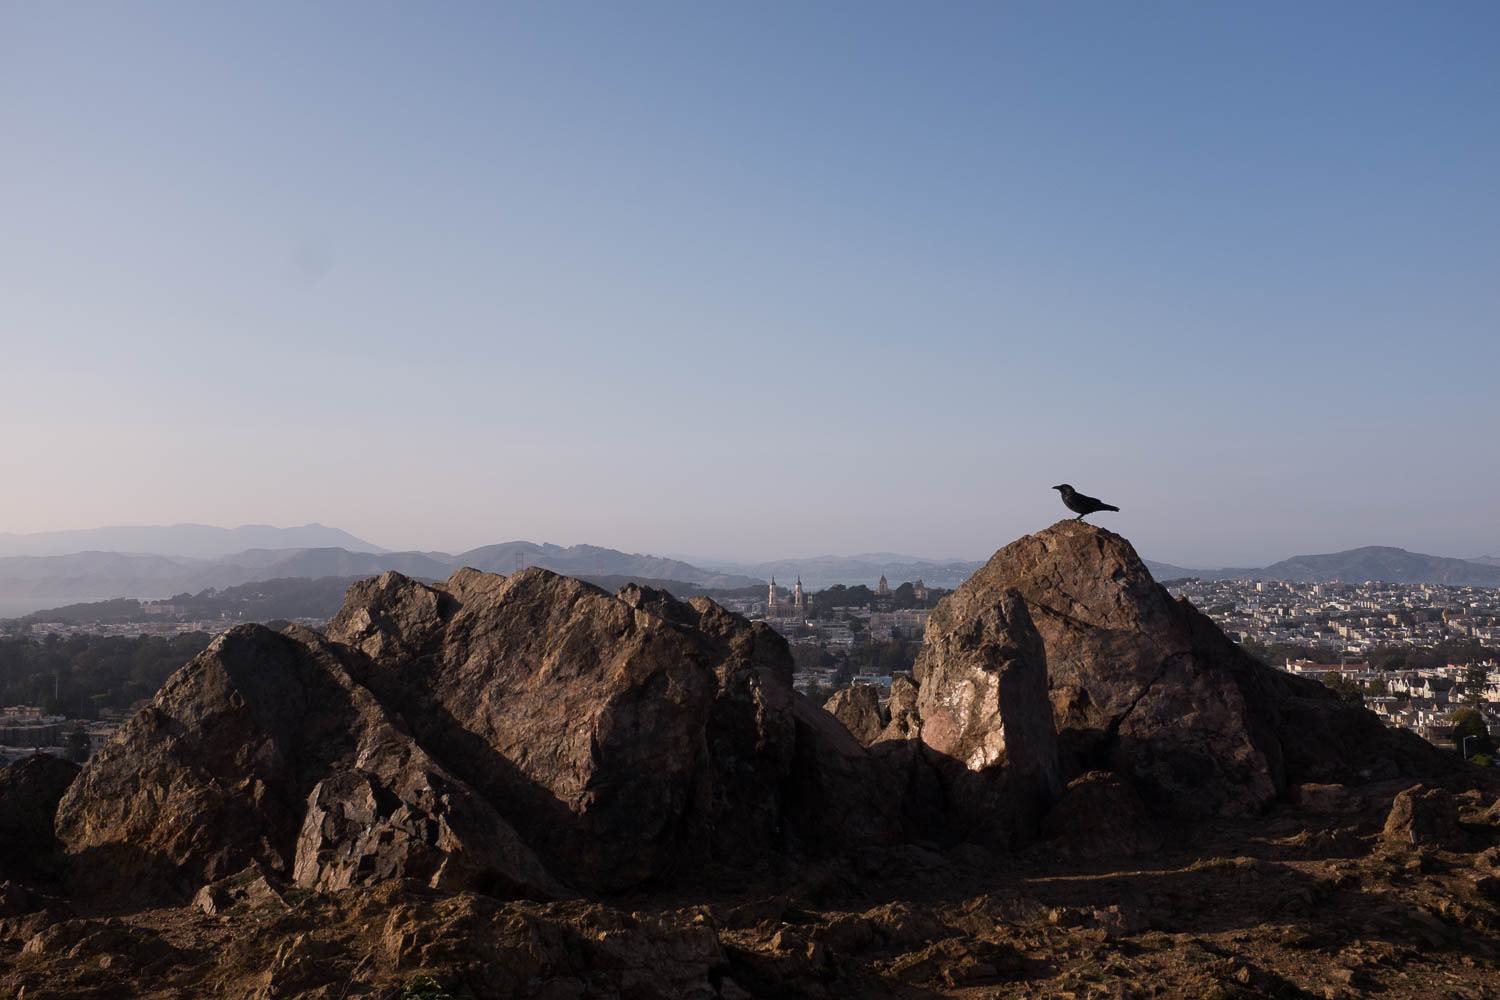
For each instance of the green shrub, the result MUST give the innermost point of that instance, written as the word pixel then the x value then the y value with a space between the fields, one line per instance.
pixel 425 988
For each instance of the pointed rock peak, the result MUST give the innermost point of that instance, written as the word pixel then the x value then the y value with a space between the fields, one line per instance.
pixel 1080 571
pixel 467 583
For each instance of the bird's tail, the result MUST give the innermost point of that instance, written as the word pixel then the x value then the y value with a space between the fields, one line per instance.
pixel 1107 506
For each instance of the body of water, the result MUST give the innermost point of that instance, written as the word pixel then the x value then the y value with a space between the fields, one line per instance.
pixel 15 607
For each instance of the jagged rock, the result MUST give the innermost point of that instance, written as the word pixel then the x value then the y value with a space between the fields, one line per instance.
pixel 252 887
pixel 624 736
pixel 497 950
pixel 1099 816
pixel 905 720
pixel 219 771
pixel 588 717
pixel 959 962
pixel 30 789
pixel 1422 817
pixel 858 708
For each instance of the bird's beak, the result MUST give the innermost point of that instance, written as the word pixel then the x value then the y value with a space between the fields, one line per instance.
pixel 1057 487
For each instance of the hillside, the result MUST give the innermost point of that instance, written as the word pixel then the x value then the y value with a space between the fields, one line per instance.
pixel 1372 562
pixel 526 787
pixel 197 541
pixel 593 560
pixel 1379 562
pixel 100 576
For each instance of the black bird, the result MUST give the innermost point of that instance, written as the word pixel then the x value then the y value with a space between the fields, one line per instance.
pixel 1080 504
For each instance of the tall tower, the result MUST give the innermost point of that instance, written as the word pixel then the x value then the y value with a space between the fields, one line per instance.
pixel 799 599
pixel 882 588
pixel 771 599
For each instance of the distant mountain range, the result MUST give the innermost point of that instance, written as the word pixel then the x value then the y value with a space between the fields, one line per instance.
pixel 1372 562
pixel 31 581
pixel 197 541
pixel 156 562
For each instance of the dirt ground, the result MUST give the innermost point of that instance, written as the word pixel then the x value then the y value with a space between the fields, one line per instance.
pixel 1293 904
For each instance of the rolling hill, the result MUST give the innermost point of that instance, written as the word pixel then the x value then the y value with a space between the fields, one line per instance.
pixel 197 541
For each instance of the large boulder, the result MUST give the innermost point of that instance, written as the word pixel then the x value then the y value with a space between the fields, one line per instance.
pixel 625 735
pixel 30 789
pixel 1422 817
pixel 264 751
pixel 1129 688
pixel 1139 683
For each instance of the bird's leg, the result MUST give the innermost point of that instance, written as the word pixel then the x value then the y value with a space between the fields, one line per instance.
pixel 1078 518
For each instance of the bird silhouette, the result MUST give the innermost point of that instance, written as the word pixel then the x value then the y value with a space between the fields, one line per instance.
pixel 1080 504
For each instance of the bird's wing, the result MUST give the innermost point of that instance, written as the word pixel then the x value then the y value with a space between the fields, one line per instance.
pixel 1091 501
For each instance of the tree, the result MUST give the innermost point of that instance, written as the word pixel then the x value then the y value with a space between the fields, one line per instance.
pixel 1474 679
pixel 78 745
pixel 1347 690
pixel 1469 724
pixel 845 673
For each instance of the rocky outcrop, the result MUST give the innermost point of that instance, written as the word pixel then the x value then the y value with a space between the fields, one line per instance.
pixel 1138 682
pixel 858 708
pixel 625 735
pixel 491 733
pixel 1129 688
pixel 264 751
pixel 387 811
pixel 534 736
pixel 905 719
pixel 30 789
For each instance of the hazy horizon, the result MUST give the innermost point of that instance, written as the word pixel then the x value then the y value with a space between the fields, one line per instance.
pixel 711 559
pixel 770 280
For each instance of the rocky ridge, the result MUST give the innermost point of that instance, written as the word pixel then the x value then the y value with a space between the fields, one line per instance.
pixel 525 786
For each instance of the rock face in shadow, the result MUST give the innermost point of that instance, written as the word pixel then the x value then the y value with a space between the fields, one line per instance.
pixel 30 789
pixel 1099 816
pixel 264 751
pixel 1139 683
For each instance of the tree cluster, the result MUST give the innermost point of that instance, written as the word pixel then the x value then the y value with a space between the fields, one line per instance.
pixel 78 675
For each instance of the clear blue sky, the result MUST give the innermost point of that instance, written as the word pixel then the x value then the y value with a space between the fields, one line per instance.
pixel 756 280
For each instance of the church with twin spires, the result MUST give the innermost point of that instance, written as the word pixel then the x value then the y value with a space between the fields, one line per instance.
pixel 776 608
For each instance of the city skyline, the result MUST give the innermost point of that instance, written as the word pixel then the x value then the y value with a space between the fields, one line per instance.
pixel 842 279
